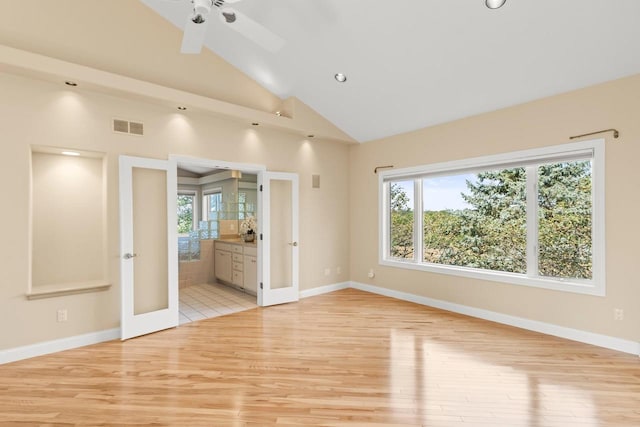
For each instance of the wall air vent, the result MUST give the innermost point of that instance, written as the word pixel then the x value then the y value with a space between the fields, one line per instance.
pixel 125 126
pixel 136 128
pixel 121 126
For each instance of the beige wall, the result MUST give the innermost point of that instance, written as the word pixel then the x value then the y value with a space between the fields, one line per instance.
pixel 127 38
pixel 545 122
pixel 34 112
pixel 145 47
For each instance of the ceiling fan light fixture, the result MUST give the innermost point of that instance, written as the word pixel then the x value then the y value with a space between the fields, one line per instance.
pixel 201 9
pixel 341 78
pixel 495 4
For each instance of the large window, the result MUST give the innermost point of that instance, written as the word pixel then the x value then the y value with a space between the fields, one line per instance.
pixel 533 218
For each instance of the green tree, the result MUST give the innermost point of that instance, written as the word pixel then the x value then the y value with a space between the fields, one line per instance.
pixel 491 234
pixel 493 231
pixel 441 234
pixel 401 223
pixel 185 213
pixel 564 220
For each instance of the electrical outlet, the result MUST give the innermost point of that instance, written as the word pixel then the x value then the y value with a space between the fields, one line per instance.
pixel 338 270
pixel 62 315
pixel 327 271
pixel 618 314
pixel 371 274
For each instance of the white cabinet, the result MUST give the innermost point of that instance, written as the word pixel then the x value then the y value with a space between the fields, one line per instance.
pixel 237 278
pixel 250 274
pixel 223 266
pixel 235 264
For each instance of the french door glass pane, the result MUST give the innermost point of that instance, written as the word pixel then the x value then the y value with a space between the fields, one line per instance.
pixel 150 239
pixel 281 234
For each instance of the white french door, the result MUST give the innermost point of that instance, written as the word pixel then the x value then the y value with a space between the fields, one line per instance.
pixel 148 246
pixel 279 215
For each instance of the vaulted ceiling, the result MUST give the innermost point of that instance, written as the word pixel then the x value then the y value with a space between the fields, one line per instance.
pixel 417 63
pixel 409 63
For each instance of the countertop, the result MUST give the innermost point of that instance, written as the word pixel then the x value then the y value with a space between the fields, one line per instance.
pixel 237 241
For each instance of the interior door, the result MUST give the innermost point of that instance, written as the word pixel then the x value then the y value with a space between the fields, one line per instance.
pixel 279 238
pixel 148 246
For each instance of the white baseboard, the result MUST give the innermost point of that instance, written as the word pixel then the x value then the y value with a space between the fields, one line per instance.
pixel 626 346
pixel 599 340
pixel 324 289
pixel 48 347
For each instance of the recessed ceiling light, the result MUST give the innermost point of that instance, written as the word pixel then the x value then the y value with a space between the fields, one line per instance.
pixel 181 108
pixel 340 77
pixel 70 83
pixel 310 136
pixel 495 4
pixel 255 124
pixel 70 153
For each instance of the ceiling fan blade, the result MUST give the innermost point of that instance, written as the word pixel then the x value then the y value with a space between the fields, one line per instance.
pixel 252 30
pixel 193 36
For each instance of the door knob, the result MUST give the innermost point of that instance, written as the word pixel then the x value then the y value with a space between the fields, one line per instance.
pixel 293 243
pixel 129 255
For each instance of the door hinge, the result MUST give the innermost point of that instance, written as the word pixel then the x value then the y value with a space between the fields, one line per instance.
pixel 260 236
pixel 260 285
pixel 260 187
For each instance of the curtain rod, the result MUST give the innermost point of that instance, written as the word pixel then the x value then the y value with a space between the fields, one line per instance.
pixel 382 167
pixel 615 133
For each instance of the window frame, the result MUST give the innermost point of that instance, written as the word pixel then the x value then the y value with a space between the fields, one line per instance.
pixel 593 148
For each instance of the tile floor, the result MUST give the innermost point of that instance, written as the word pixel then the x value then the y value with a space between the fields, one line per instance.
pixel 211 300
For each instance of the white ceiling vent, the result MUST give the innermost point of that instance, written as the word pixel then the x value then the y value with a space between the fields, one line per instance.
pixel 125 126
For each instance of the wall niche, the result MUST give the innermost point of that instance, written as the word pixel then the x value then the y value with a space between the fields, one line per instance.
pixel 68 222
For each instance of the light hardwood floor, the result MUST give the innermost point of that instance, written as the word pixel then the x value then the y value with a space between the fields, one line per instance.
pixel 346 358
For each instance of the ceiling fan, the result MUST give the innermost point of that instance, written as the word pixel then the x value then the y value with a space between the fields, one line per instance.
pixel 198 21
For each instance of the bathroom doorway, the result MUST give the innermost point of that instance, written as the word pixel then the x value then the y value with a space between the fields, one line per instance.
pixel 217 211
pixel 275 253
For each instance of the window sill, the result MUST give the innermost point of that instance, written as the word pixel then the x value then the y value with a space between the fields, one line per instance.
pixel 58 290
pixel 574 286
